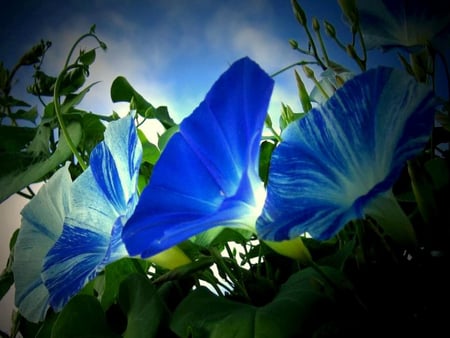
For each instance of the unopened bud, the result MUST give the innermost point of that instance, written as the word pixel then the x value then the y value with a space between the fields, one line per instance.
pixel 351 51
pixel 315 24
pixel 349 9
pixel 308 72
pixel 329 29
pixel 293 43
pixel 299 13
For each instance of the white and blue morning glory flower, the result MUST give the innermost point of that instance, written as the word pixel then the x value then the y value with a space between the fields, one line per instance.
pixel 340 161
pixel 102 199
pixel 207 176
pixel 71 230
pixel 42 223
pixel 404 23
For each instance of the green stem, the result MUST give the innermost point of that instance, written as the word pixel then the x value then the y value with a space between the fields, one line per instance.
pixel 313 45
pixel 69 56
pixel 274 132
pixel 364 49
pixel 62 125
pixel 317 83
pixel 57 102
pixel 222 265
pixel 300 63
pixel 339 43
pixel 322 48
pixel 28 197
pixel 214 283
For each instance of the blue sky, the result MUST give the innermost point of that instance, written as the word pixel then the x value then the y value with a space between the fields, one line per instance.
pixel 171 51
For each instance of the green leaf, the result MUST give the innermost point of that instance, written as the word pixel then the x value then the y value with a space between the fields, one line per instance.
pixel 39 146
pixel 45 330
pixel 28 115
pixel 161 114
pixel 14 138
pixel 6 280
pixel 72 81
pixel 10 101
pixel 165 137
pixel 82 317
pixel 146 312
pixel 117 272
pixel 422 186
pixel 302 305
pixel 186 270
pixel 264 159
pixel 150 151
pixel 73 100
pixel 14 182
pixel 93 131
pixel 303 94
pixel 122 91
pixel 87 58
pixel 43 84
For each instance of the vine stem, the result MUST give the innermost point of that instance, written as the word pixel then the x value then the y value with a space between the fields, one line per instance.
pixel 274 132
pixel 221 264
pixel 300 63
pixel 57 102
pixel 62 125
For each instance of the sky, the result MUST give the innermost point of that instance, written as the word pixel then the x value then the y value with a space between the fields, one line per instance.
pixel 171 51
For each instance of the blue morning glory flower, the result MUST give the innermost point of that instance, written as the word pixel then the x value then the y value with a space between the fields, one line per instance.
pixel 404 23
pixel 340 161
pixel 70 231
pixel 42 223
pixel 207 176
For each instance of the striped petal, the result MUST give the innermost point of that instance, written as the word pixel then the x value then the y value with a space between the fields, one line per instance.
pixel 42 222
pixel 103 198
pixel 404 23
pixel 207 175
pixel 332 163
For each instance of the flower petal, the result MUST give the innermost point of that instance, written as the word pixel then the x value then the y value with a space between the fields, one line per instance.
pixel 208 173
pixel 404 23
pixel 341 155
pixel 42 222
pixel 103 197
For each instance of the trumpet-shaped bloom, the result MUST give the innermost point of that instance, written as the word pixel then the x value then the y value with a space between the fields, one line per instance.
pixel 207 175
pixel 404 23
pixel 102 199
pixel 70 231
pixel 42 223
pixel 340 161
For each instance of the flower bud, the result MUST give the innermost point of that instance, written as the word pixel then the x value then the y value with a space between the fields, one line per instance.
pixel 299 13
pixel 349 9
pixel 329 29
pixel 308 72
pixel 351 51
pixel 293 43
pixel 315 24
